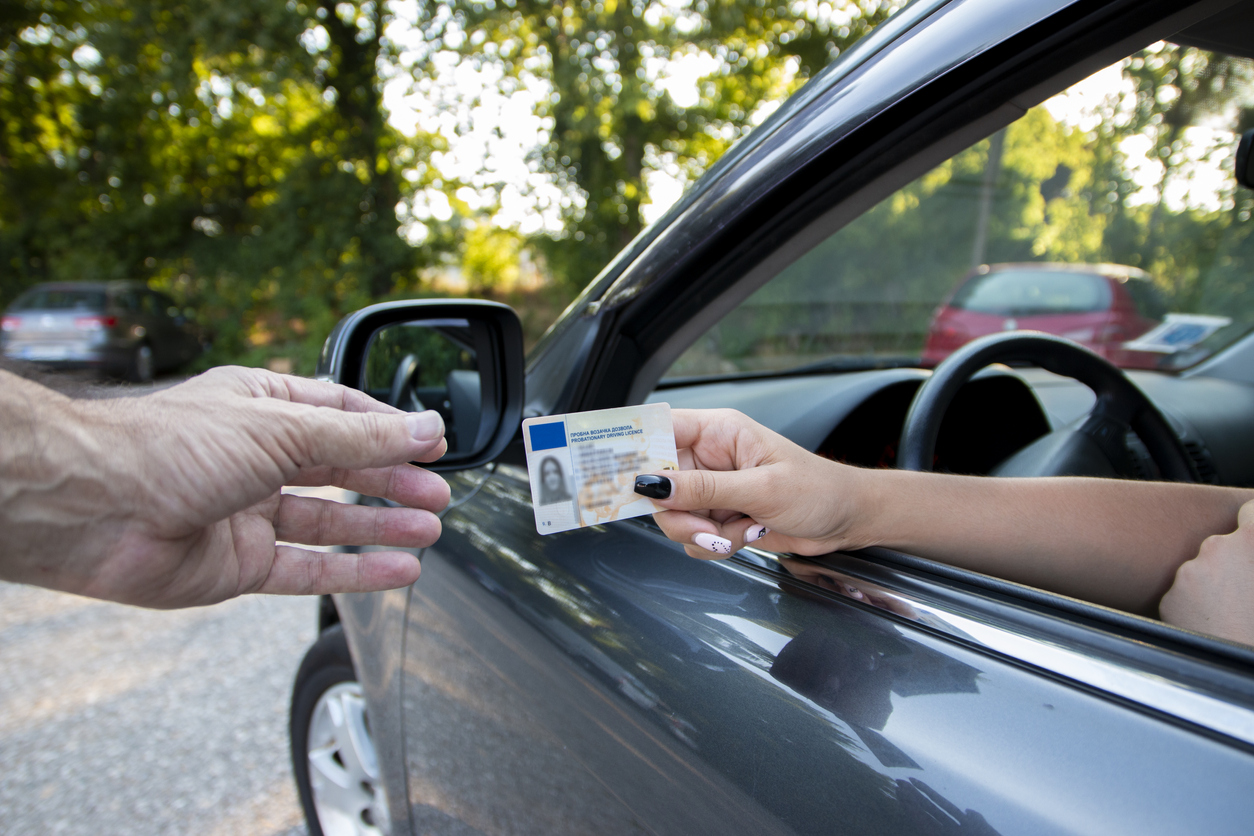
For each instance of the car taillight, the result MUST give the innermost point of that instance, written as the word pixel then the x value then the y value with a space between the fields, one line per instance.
pixel 11 323
pixel 95 323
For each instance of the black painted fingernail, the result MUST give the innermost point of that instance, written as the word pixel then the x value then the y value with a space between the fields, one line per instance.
pixel 654 487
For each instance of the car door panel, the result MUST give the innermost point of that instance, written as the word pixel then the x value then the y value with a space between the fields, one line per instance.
pixel 600 679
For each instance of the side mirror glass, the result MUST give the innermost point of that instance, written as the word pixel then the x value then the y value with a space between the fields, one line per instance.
pixel 461 358
pixel 1245 160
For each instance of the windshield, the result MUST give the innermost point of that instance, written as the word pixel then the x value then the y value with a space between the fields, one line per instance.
pixel 60 299
pixel 1033 292
pixel 1109 214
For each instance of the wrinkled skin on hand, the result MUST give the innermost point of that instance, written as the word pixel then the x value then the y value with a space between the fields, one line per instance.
pixel 1214 592
pixel 173 499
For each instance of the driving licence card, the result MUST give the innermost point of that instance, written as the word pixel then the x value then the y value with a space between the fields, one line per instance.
pixel 583 465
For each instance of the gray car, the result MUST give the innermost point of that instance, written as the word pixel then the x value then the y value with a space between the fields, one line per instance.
pixel 599 681
pixel 119 328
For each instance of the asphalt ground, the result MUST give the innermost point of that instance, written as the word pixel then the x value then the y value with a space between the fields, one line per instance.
pixel 120 720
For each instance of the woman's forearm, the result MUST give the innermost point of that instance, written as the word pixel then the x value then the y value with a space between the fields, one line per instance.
pixel 1113 542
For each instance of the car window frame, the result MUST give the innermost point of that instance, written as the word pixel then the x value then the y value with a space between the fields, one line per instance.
pixel 1138 642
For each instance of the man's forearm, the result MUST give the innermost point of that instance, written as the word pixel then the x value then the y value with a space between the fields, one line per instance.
pixel 1113 542
pixel 52 483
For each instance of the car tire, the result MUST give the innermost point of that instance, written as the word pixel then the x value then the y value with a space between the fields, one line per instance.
pixel 143 367
pixel 333 752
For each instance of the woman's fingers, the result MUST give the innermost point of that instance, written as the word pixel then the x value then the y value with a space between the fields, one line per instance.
pixel 705 538
pixel 321 522
pixel 302 572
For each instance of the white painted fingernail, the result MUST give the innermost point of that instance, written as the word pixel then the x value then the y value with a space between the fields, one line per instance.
pixel 425 426
pixel 712 544
pixel 755 532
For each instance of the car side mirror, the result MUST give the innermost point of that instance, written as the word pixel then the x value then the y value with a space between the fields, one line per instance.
pixel 1245 161
pixel 463 358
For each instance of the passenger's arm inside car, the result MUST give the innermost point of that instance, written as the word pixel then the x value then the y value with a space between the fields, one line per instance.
pixel 1112 542
pixel 1118 543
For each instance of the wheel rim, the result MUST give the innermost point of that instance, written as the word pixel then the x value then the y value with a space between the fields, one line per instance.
pixel 143 363
pixel 343 766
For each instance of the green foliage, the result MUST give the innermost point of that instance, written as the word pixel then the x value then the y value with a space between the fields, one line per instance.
pixel 234 154
pixel 490 259
pixel 1058 194
pixel 612 117
pixel 238 156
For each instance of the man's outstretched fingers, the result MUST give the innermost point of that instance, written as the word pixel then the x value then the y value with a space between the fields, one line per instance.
pixel 322 522
pixel 323 437
pixel 403 483
pixel 321 393
pixel 302 572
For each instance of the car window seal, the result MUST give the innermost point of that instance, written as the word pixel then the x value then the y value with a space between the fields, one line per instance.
pixel 1123 623
pixel 1202 694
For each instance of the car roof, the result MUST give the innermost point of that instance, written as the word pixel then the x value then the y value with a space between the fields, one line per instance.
pixel 112 286
pixel 1119 272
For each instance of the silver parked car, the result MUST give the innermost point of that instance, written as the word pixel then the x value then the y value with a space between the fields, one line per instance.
pixel 120 328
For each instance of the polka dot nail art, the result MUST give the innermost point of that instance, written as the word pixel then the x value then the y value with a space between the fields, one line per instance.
pixel 710 543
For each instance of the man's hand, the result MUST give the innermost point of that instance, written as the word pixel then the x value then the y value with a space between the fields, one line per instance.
pixel 1214 592
pixel 173 499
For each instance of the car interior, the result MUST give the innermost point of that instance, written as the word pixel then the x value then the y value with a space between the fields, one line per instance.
pixel 1131 161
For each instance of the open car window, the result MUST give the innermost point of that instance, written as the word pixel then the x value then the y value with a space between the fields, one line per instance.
pixel 1105 213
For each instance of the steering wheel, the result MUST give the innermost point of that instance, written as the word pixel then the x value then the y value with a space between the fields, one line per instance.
pixel 1095 448
pixel 404 382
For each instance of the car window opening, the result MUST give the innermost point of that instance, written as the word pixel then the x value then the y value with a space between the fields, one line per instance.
pixel 1104 213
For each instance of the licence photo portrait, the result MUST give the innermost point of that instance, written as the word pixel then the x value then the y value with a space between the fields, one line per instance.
pixel 553 486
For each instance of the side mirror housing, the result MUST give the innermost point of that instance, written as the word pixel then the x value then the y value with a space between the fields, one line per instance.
pixel 462 358
pixel 1245 160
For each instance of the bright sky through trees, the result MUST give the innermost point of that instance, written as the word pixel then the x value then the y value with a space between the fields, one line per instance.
pixel 1204 180
pixel 494 133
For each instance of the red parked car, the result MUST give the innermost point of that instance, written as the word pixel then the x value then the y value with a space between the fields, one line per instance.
pixel 1100 305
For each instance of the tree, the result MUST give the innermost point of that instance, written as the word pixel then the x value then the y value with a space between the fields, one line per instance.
pixel 604 66
pixel 235 154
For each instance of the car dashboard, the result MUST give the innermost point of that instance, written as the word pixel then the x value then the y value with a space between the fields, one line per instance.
pixel 857 417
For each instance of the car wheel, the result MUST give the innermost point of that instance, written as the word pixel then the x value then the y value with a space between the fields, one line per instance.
pixel 142 367
pixel 333 752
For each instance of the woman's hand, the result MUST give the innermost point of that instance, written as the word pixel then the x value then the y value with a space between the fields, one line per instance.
pixel 1214 592
pixel 741 483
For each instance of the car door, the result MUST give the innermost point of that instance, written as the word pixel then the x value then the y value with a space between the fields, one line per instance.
pixel 600 680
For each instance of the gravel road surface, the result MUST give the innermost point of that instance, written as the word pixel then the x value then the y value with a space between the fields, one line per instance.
pixel 120 720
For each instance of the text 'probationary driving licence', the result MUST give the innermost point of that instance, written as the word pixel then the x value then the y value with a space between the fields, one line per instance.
pixel 583 465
